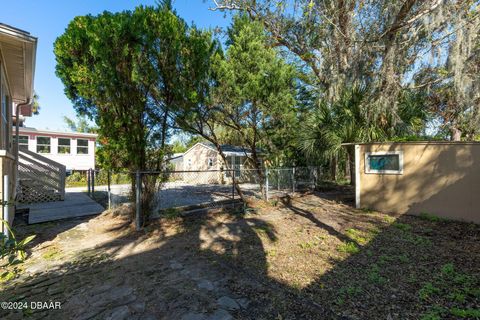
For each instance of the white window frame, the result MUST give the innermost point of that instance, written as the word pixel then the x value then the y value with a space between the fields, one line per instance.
pixel 83 147
pixel 23 144
pixel 210 162
pixel 62 145
pixel 368 170
pixel 42 144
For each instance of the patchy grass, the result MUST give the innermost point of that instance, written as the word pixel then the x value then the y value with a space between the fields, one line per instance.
pixel 291 260
pixel 402 226
pixel 51 253
pixel 465 313
pixel 451 288
pixel 348 247
pixel 171 213
pixel 367 265
pixel 430 217
pixel 308 244
pixel 361 237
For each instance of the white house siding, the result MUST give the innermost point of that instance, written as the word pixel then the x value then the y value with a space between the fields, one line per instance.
pixel 72 161
pixel 17 65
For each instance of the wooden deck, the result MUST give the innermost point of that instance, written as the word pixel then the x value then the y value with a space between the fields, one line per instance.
pixel 76 204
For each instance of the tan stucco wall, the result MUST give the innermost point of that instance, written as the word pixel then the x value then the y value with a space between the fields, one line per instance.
pixel 197 159
pixel 7 165
pixel 438 178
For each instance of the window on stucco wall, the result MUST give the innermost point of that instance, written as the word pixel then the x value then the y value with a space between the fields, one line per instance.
pixel 384 162
pixel 210 162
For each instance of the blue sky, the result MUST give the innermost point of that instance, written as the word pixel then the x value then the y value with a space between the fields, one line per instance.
pixel 47 19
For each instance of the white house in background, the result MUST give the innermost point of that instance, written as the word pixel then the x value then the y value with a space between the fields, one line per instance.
pixel 76 151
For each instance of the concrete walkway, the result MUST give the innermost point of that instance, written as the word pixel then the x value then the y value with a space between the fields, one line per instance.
pixel 76 204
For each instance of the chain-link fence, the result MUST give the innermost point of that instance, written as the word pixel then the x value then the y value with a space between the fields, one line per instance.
pixel 282 181
pixel 110 188
pixel 190 190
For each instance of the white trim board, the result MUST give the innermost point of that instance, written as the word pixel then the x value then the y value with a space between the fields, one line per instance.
pixel 357 176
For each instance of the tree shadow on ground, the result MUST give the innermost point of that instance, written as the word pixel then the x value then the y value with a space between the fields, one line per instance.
pixel 212 266
pixel 45 231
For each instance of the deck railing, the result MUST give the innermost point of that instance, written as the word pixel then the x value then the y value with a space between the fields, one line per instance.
pixel 39 179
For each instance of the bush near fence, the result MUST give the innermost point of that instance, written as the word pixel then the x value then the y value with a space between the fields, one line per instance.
pixel 79 179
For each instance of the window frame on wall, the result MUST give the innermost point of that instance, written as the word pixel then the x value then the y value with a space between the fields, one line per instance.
pixel 23 144
pixel 79 147
pixel 369 170
pixel 49 145
pixel 210 162
pixel 64 146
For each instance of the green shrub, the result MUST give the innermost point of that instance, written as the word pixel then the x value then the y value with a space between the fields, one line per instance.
pixel 77 177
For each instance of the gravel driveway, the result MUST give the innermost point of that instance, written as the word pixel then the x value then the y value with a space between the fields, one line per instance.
pixel 177 194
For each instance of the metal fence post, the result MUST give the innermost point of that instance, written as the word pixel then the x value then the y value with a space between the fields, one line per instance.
pixel 93 183
pixel 109 194
pixel 293 180
pixel 233 184
pixel 278 179
pixel 266 184
pixel 88 181
pixel 138 201
pixel 5 205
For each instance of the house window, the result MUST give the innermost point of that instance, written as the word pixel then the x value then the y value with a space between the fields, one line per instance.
pixel 43 144
pixel 189 162
pixel 63 146
pixel 23 143
pixel 384 162
pixel 82 146
pixel 210 162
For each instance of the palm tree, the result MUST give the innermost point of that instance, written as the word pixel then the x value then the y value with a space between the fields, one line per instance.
pixel 333 124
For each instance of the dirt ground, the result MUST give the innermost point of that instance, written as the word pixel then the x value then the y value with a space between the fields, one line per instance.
pixel 310 257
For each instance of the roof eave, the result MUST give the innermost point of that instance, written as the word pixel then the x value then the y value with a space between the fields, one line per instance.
pixel 26 70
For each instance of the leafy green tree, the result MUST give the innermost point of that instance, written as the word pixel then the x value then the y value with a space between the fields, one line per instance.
pixel 255 92
pixel 122 70
pixel 244 97
pixel 80 124
pixel 378 44
pixel 36 104
pixel 414 116
pixel 333 124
